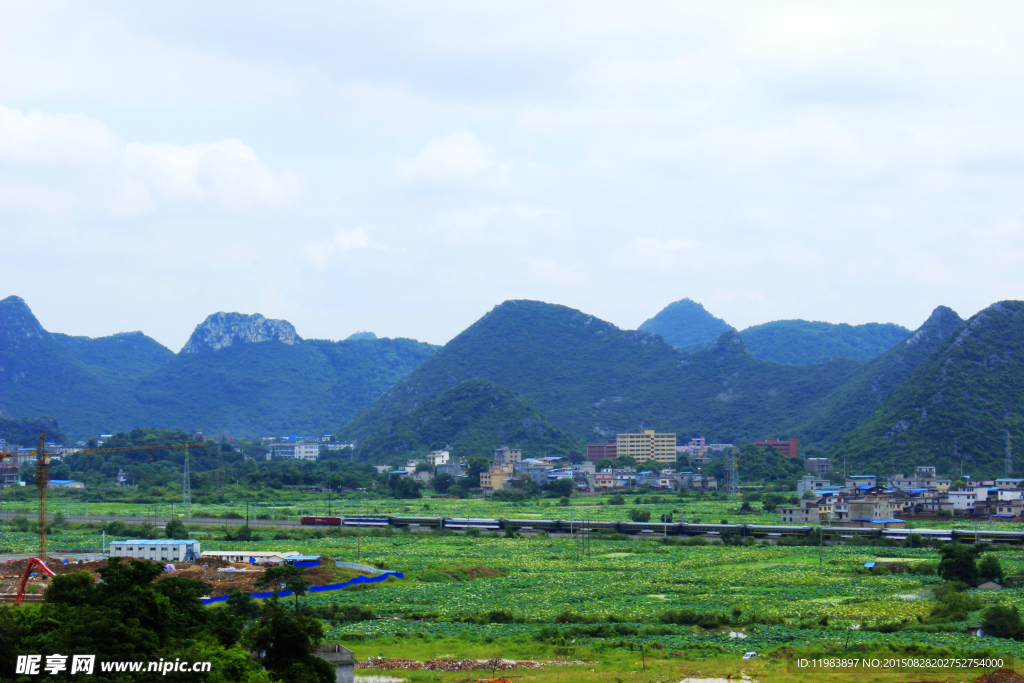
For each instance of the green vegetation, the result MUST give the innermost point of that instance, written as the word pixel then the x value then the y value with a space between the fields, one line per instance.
pixel 686 324
pixel 968 389
pixel 468 418
pixel 96 386
pixel 801 342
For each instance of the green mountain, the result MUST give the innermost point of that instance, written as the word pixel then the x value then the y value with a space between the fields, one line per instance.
pixel 128 354
pixel 800 342
pixel 473 418
pixel 687 325
pixel 969 389
pixel 591 379
pixel 237 374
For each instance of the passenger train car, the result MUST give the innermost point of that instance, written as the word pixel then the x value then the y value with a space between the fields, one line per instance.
pixel 763 531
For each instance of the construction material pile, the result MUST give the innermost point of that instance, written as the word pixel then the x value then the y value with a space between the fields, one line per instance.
pixel 390 663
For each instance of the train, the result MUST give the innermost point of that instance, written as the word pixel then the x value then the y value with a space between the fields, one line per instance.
pixel 760 531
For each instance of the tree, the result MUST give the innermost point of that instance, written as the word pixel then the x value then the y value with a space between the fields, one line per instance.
pixel 285 644
pixel 287 574
pixel 640 515
pixel 1002 621
pixel 442 482
pixel 176 529
pixel 617 500
pixel 560 487
pixel 958 564
pixel 990 568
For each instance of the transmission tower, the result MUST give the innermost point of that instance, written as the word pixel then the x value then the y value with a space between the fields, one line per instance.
pixel 186 488
pixel 1009 458
pixel 733 473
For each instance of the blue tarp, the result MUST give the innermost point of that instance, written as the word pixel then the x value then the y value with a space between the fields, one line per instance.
pixel 315 589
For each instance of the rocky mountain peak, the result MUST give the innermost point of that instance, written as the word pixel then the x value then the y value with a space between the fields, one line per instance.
pixel 222 330
pixel 17 322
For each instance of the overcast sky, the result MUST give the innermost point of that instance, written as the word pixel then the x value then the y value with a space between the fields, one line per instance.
pixel 404 167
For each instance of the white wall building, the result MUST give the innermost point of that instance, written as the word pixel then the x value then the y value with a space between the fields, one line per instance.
pixel 296 450
pixel 163 550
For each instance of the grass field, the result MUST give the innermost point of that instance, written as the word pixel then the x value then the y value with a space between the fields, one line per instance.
pixel 691 508
pixel 768 597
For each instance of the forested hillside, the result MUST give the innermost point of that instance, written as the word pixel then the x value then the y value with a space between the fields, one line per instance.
pixel 685 324
pixel 473 418
pixel 968 390
pixel 800 342
pixel 111 384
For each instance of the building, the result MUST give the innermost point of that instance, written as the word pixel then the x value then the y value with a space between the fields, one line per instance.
pixel 297 450
pixel 494 479
pixel 65 484
pixel 819 466
pixel 249 556
pixel 507 456
pixel 437 458
pixel 604 481
pixel 807 514
pixel 870 508
pixel 786 447
pixel 9 473
pixel 647 445
pixel 602 451
pixel 164 550
pixel 856 482
pixel 809 483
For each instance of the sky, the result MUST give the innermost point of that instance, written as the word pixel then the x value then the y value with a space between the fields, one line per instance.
pixel 403 167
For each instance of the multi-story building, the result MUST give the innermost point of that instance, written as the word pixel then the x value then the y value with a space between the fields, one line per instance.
pixel 602 451
pixel 809 483
pixel 647 445
pixel 870 508
pixel 786 447
pixel 507 456
pixel 807 513
pixel 819 466
pixel 495 478
pixel 9 471
pixel 296 450
pixel 604 481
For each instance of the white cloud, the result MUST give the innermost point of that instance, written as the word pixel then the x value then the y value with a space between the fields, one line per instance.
pixel 500 223
pixel 549 272
pixel 83 164
pixel 457 158
pixel 647 253
pixel 344 241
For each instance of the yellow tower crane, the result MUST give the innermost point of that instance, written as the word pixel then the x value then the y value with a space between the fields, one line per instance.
pixel 43 472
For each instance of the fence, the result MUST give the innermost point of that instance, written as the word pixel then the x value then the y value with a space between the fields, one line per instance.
pixel 316 589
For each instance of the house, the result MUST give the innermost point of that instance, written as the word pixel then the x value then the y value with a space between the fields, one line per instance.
pixel 788 447
pixel 808 483
pixel 249 556
pixel 604 481
pixel 1008 483
pixel 64 484
pixel 870 508
pixel 807 514
pixel 156 549
pixel 507 456
pixel 818 466
pixel 495 477
pixel 854 481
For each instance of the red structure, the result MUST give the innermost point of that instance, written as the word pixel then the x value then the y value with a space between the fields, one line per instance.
pixel 787 448
pixel 602 451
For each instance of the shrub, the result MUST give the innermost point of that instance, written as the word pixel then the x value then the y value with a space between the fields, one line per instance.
pixel 640 515
pixel 1002 621
pixel 990 568
pixel 617 500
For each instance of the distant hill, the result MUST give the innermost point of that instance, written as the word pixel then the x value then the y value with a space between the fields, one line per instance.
pixel 799 342
pixel 592 379
pixel 473 417
pixel 851 403
pixel 238 374
pixel 969 389
pixel 128 354
pixel 360 335
pixel 687 325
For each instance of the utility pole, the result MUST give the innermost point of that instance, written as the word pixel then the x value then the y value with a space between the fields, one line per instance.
pixel 821 539
pixel 186 487
pixel 1008 471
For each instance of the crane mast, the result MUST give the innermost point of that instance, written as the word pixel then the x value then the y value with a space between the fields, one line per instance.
pixel 42 477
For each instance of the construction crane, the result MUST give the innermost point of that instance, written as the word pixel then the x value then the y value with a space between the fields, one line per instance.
pixel 43 472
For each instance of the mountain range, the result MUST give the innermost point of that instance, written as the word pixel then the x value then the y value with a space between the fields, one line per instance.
pixel 237 374
pixel 687 325
pixel 546 378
